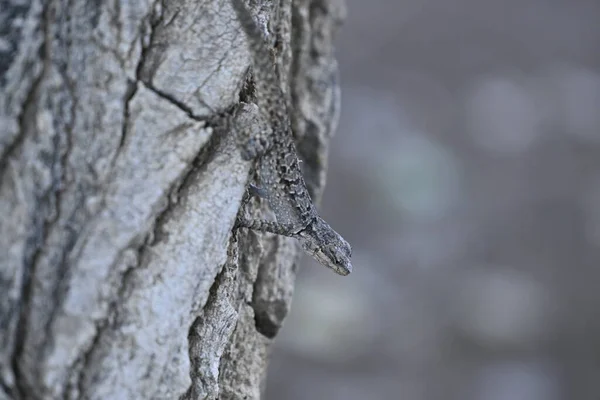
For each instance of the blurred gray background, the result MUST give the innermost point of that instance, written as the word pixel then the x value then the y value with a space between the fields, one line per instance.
pixel 465 173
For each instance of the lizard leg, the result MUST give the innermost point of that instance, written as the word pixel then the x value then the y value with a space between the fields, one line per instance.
pixel 262 225
pixel 252 191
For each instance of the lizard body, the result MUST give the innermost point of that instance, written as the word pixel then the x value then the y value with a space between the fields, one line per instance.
pixel 279 174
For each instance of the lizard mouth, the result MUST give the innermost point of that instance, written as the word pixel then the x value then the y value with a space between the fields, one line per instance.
pixel 341 267
pixel 345 270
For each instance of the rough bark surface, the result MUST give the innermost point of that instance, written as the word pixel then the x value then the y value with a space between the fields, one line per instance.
pixel 120 275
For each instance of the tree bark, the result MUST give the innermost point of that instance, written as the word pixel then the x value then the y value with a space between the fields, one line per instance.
pixel 121 277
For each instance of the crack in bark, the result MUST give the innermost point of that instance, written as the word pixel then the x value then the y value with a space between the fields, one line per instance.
pixel 36 241
pixel 86 359
pixel 203 158
pixel 152 237
pixel 71 234
pixel 132 87
pixel 30 99
pixel 177 103
pixel 58 168
pixel 156 20
pixel 129 93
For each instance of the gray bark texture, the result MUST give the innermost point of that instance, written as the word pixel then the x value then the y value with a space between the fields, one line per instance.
pixel 120 274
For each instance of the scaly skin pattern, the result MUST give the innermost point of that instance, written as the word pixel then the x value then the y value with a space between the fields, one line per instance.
pixel 280 178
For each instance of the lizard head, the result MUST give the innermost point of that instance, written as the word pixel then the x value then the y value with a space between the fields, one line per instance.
pixel 327 246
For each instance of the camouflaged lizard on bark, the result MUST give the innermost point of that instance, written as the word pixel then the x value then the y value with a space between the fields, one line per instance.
pixel 280 177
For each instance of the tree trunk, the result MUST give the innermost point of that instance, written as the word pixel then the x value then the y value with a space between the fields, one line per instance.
pixel 121 277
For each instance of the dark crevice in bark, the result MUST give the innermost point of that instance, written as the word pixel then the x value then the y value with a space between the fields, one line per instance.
pixel 155 20
pixel 71 226
pixel 248 90
pixel 41 226
pixel 129 93
pixel 35 240
pixel 179 104
pixel 29 109
pixel 63 144
pixel 63 266
pixel 146 77
pixel 83 363
pixel 33 246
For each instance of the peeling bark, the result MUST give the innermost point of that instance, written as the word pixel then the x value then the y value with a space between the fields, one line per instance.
pixel 120 274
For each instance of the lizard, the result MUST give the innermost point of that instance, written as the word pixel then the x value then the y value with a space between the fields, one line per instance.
pixel 278 170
